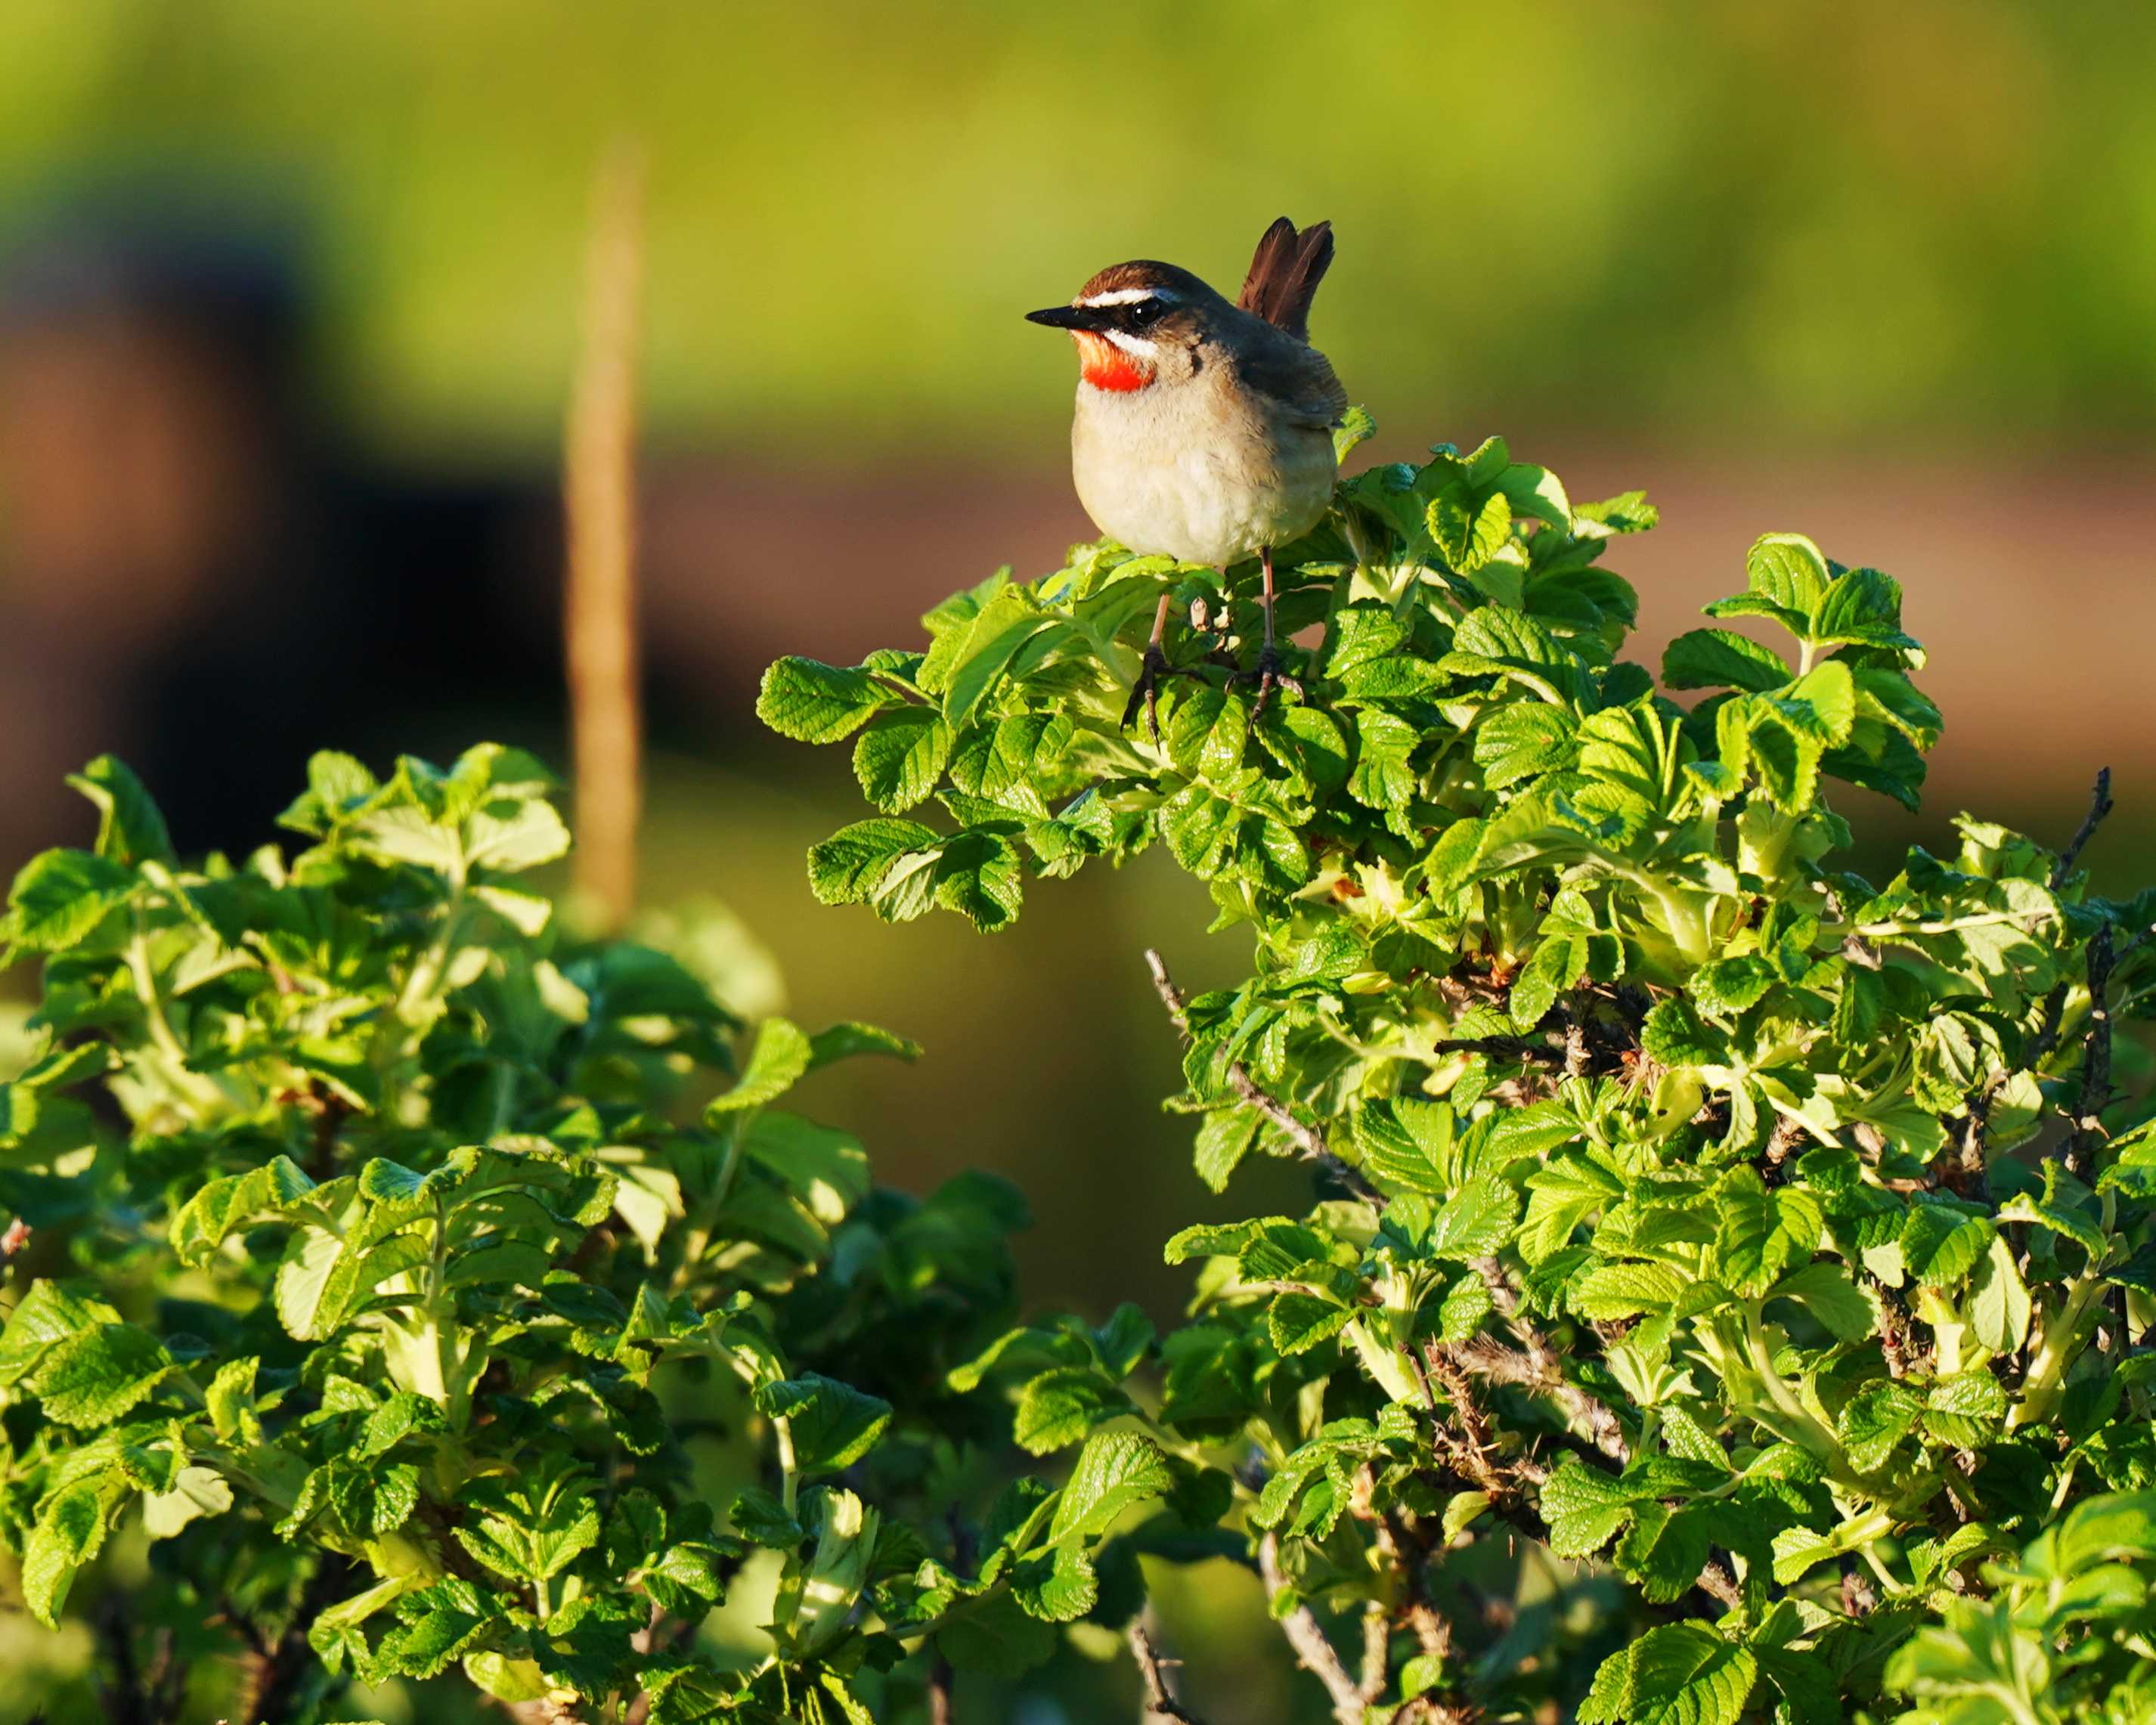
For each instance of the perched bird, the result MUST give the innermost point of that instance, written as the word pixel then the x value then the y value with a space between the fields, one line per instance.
pixel 1204 430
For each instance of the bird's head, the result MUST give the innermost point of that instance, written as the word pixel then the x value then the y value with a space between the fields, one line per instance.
pixel 1138 325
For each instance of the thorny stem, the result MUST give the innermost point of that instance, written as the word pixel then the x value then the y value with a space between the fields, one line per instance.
pixel 1160 1702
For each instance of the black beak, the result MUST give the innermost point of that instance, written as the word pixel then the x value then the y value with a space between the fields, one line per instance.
pixel 1065 317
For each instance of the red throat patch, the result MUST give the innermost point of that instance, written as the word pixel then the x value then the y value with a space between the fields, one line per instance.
pixel 1105 365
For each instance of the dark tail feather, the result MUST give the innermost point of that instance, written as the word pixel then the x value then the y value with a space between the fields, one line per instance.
pixel 1284 274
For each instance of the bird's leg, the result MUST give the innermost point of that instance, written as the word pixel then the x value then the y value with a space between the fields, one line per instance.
pixel 1269 674
pixel 1145 692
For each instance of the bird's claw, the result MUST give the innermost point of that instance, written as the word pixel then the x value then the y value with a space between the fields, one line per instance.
pixel 1145 692
pixel 1269 674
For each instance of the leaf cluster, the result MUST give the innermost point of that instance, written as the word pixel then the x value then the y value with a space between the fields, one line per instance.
pixel 418 1290
pixel 1732 1254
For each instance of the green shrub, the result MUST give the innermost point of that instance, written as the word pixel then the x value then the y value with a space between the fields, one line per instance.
pixel 387 1300
pixel 1727 1291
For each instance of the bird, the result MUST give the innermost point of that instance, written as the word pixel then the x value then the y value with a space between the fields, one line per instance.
pixel 1203 429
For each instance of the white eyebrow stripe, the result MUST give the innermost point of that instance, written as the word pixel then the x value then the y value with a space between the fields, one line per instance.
pixel 1131 344
pixel 1122 297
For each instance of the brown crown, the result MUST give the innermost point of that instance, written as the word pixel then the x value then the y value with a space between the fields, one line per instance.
pixel 1144 273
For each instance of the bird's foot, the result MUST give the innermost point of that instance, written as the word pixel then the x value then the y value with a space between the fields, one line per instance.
pixel 1145 692
pixel 1269 674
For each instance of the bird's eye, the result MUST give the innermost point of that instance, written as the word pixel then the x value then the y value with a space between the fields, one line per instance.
pixel 1146 311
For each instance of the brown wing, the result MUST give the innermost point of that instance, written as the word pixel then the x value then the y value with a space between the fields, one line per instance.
pixel 1285 273
pixel 1293 372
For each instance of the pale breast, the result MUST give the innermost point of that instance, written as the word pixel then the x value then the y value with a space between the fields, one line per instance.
pixel 1186 469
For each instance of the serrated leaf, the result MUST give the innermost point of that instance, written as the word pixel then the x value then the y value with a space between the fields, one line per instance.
pixel 1720 657
pixel 899 759
pixel 1115 1471
pixel 1298 1322
pixel 1675 1674
pixel 812 702
pixel 832 1425
pixel 1475 1221
pixel 60 896
pixel 1058 1408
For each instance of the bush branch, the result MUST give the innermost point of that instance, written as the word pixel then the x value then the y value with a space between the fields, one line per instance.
pixel 2100 805
pixel 1160 1702
pixel 1307 1140
pixel 1306 1635
pixel 1533 1366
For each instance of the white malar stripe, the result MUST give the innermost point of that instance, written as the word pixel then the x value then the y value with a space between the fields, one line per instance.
pixel 1122 297
pixel 1131 344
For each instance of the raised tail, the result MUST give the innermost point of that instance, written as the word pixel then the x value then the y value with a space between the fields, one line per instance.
pixel 1284 274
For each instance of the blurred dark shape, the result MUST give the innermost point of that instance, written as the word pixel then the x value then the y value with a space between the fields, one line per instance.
pixel 195 572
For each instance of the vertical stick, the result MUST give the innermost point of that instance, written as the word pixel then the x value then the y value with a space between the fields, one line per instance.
pixel 599 490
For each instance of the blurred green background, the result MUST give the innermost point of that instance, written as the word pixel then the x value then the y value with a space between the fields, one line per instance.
pixel 289 306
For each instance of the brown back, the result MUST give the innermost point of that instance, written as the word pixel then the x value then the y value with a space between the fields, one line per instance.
pixel 1284 274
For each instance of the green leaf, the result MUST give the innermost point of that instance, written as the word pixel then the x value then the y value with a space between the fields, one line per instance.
pixel 1520 740
pixel 1115 1471
pixel 780 1056
pixel 1058 1408
pixel 129 829
pixel 1941 1245
pixel 60 896
pixel 1491 640
pixel 1720 658
pixel 1827 1293
pixel 856 863
pixel 1875 1421
pixel 1356 426
pixel 899 759
pixel 818 703
pixel 1584 1509
pixel 1675 1674
pixel 832 1425
pixel 1470 529
pixel 1476 1220
pixel 1789 571
pixel 68 1533
pixel 91 1377
pixel 1298 1322
pixel 1382 777
pixel 1763 1233
pixel 1620 1290
pixel 1006 623
pixel 994 1636
pixel 1998 1305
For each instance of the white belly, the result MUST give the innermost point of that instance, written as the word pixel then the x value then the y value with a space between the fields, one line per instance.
pixel 1175 476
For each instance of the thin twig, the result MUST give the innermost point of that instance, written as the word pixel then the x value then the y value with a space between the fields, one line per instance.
pixel 1306 1139
pixel 1306 1635
pixel 1160 1702
pixel 940 1678
pixel 598 490
pixel 2100 805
